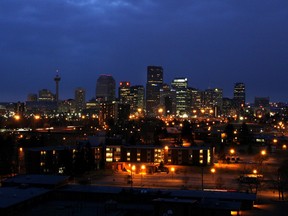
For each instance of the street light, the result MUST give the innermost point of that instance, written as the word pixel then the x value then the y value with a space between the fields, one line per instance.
pixel 263 152
pixel 172 171
pixel 213 171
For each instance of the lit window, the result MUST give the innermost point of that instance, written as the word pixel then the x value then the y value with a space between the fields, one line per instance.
pixel 108 159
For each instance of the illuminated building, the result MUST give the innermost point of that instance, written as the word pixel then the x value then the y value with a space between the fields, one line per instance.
pixel 46 95
pixel 80 100
pixel 195 95
pixel 137 98
pixel 153 85
pixel 124 92
pixel 168 99
pixel 239 95
pixel 213 99
pixel 180 85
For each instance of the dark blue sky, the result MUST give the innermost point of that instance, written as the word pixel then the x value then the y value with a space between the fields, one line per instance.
pixel 214 43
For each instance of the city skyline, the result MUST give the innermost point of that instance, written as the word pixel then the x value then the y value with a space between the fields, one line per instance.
pixel 213 44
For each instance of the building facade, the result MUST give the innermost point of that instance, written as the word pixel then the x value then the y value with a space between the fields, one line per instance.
pixel 239 95
pixel 80 100
pixel 153 86
pixel 180 85
pixel 105 88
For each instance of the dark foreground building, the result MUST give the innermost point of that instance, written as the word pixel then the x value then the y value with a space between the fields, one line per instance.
pixel 29 195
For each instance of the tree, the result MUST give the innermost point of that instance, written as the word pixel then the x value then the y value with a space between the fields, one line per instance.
pixel 186 131
pixel 282 179
pixel 84 161
pixel 245 136
pixel 7 154
pixel 229 131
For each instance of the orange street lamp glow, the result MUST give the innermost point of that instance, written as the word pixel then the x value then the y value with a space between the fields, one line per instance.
pixel 213 170
pixel 263 152
pixel 17 117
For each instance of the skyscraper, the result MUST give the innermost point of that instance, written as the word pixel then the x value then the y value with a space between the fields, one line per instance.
pixel 153 85
pixel 80 100
pixel 213 99
pixel 124 92
pixel 239 94
pixel 105 88
pixel 182 97
pixel 137 98
pixel 168 99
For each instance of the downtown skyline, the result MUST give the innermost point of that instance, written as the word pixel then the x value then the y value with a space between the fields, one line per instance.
pixel 213 43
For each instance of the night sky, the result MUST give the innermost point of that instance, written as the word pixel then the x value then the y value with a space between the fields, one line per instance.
pixel 214 43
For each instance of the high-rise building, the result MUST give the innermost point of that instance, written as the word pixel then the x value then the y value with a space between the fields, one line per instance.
pixel 168 99
pixel 46 95
pixel 195 95
pixel 182 97
pixel 153 85
pixel 137 98
pixel 213 99
pixel 124 92
pixel 80 100
pixel 239 94
pixel 105 88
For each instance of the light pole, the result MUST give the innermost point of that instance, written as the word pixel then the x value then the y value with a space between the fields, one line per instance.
pixel 202 179
pixel 132 169
pixel 172 171
pixel 213 171
pixel 142 170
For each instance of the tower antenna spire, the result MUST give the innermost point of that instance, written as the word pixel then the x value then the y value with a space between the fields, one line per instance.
pixel 57 79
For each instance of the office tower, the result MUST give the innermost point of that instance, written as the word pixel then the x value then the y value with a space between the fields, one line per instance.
pixel 182 97
pixel 239 95
pixel 124 92
pixel 80 100
pixel 261 106
pixel 137 98
pixel 228 107
pixel 153 85
pixel 57 79
pixel 213 99
pixel 195 95
pixel 46 95
pixel 105 88
pixel 107 112
pixel 168 100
